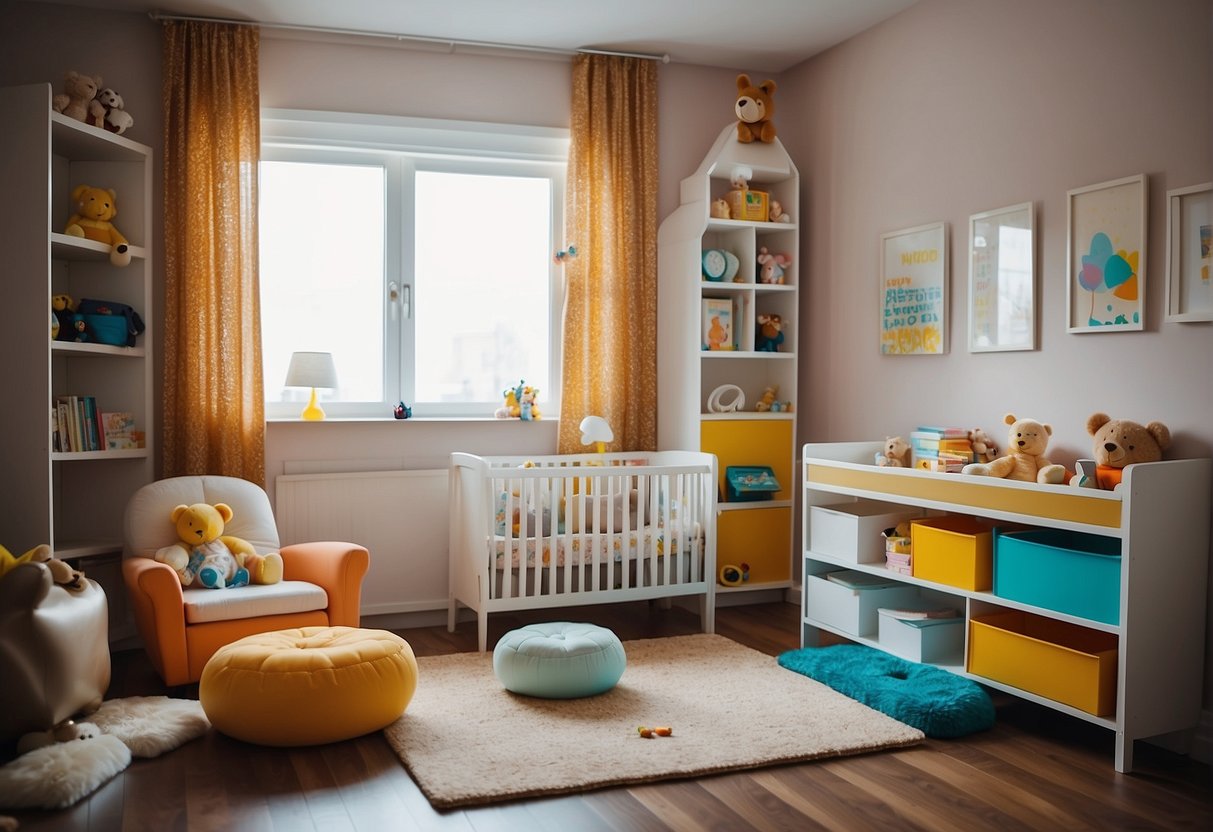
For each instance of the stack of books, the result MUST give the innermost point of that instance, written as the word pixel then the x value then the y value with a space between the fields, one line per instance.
pixel 940 449
pixel 78 426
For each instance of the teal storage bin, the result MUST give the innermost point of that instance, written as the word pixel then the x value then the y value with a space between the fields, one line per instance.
pixel 1059 570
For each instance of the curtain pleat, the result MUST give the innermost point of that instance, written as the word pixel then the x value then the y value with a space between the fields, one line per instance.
pixel 610 320
pixel 214 406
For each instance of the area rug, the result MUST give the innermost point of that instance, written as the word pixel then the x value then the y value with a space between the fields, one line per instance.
pixel 467 741
pixel 56 776
pixel 932 699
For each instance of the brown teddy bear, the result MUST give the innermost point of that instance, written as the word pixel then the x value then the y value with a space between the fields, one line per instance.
pixel 1118 443
pixel 1025 460
pixel 984 449
pixel 754 108
pixel 78 99
pixel 896 453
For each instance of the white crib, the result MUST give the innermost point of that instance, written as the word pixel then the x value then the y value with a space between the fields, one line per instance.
pixel 557 531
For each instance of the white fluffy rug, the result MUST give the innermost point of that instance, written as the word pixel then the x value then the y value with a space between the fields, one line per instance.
pixel 58 775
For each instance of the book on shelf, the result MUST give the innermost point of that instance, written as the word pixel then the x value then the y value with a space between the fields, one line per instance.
pixel 118 428
pixel 860 580
pixel 717 324
pixel 916 615
pixel 942 432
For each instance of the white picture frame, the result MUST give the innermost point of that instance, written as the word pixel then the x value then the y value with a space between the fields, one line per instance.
pixel 1106 256
pixel 914 290
pixel 1190 254
pixel 1002 279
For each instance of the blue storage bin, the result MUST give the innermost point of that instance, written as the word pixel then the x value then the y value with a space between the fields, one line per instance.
pixel 1060 570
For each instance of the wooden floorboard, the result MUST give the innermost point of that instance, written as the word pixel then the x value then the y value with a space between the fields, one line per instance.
pixel 1035 770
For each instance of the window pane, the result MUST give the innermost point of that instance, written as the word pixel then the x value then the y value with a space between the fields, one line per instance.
pixel 322 285
pixel 483 266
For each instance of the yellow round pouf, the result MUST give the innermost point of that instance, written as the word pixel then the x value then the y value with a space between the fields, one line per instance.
pixel 308 686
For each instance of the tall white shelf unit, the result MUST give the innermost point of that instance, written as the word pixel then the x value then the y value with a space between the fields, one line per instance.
pixel 72 501
pixel 1161 519
pixel 757 533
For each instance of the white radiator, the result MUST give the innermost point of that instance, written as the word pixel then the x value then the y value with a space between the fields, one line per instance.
pixel 399 516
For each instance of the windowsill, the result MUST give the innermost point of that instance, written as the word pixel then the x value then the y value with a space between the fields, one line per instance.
pixel 378 419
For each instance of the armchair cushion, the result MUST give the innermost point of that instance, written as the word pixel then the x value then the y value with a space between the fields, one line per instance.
pixel 202 605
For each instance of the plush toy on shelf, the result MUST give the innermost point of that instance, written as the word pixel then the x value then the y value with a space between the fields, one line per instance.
pixel 772 266
pixel 78 100
pixel 95 208
pixel 114 116
pixel 754 107
pixel 895 454
pixel 984 449
pixel 205 556
pixel 720 209
pixel 777 213
pixel 768 399
pixel 1025 460
pixel 770 333
pixel 1119 443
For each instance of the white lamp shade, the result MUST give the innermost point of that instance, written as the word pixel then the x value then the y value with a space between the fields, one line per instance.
pixel 311 369
pixel 595 429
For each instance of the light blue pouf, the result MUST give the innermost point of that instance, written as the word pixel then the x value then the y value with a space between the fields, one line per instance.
pixel 559 660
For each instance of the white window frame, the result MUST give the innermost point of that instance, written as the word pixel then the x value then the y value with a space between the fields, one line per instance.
pixel 404 146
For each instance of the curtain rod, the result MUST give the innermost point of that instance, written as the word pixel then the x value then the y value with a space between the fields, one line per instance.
pixel 450 43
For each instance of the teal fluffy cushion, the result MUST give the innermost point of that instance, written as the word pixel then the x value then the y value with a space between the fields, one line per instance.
pixel 939 703
pixel 559 660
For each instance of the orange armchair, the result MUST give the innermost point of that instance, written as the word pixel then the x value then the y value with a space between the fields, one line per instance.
pixel 182 628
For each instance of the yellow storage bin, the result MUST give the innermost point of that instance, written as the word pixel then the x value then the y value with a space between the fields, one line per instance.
pixel 1054 659
pixel 748 205
pixel 955 550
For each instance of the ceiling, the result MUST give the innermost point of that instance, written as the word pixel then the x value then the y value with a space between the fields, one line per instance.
pixel 754 35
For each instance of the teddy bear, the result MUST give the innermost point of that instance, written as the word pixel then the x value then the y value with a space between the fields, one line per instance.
pixel 1119 443
pixel 896 453
pixel 528 408
pixel 114 117
pixel 777 213
pixel 754 108
pixel 768 399
pixel 205 556
pixel 773 266
pixel 984 449
pixel 95 208
pixel 770 333
pixel 1025 460
pixel 720 209
pixel 78 100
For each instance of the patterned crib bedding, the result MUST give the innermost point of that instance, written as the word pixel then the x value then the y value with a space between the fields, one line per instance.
pixel 577 549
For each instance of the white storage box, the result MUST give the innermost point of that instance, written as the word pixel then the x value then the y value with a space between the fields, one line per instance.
pixel 852 531
pixel 849 609
pixel 932 640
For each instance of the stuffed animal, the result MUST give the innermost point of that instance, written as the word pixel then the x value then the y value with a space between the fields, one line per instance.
pixel 113 118
pixel 78 100
pixel 65 731
pixel 528 408
pixel 205 556
pixel 754 108
pixel 768 399
pixel 769 335
pixel 720 209
pixel 896 453
pixel 984 449
pixel 61 571
pixel 777 213
pixel 1119 443
pixel 773 266
pixel 95 207
pixel 1025 461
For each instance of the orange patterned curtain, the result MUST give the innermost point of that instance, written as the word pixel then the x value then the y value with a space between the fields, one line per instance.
pixel 610 320
pixel 214 407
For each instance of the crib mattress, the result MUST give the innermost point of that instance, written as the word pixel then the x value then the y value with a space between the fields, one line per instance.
pixel 580 549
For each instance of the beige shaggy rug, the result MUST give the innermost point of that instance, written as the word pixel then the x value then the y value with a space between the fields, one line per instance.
pixel 467 741
pixel 58 775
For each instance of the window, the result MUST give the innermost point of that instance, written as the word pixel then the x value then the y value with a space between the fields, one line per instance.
pixel 424 262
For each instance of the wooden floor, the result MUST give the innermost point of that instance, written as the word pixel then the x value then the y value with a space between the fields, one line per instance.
pixel 1035 770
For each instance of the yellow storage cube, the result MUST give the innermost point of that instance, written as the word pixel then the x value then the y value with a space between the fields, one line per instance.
pixel 1054 659
pixel 955 550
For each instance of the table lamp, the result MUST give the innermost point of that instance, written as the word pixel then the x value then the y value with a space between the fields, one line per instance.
pixel 596 429
pixel 312 369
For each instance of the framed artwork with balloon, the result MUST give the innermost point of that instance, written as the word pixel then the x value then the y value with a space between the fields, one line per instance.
pixel 1106 256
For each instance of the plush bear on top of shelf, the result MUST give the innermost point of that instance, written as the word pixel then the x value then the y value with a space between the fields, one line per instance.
pixel 754 107
pixel 1119 443
pixel 95 207
pixel 78 100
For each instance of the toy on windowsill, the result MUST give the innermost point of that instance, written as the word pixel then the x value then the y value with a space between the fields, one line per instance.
pixel 1025 460
pixel 520 403
pixel 896 453
pixel 564 254
pixel 770 333
pixel 95 207
pixel 1117 444
pixel 402 411
pixel 772 266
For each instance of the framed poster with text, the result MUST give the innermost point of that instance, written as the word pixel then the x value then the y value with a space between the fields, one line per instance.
pixel 914 291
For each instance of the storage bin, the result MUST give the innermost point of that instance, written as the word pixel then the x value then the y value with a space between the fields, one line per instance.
pixel 929 640
pixel 850 609
pixel 1060 570
pixel 955 550
pixel 853 531
pixel 748 205
pixel 1054 659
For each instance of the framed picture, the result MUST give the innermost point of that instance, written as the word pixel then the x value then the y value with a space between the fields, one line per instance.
pixel 717 324
pixel 1002 280
pixel 1189 228
pixel 1106 256
pixel 914 291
